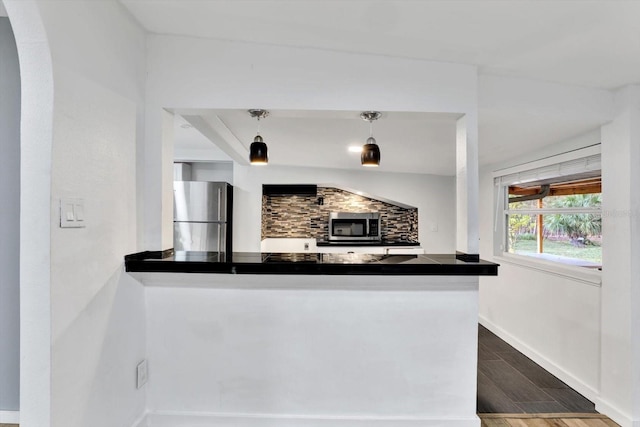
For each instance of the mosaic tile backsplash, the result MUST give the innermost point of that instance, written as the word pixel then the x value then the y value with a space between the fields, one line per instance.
pixel 302 216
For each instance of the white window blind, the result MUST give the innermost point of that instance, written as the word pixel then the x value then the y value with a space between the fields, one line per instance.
pixel 573 163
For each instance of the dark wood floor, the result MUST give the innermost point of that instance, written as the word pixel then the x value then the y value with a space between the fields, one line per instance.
pixel 509 382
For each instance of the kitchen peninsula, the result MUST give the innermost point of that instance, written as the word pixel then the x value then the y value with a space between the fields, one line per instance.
pixel 311 339
pixel 308 263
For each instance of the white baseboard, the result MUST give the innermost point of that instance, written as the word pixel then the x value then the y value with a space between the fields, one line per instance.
pixel 179 419
pixel 615 414
pixel 10 417
pixel 573 382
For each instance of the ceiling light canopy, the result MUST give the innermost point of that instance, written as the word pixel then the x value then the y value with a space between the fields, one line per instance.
pixel 258 150
pixel 370 156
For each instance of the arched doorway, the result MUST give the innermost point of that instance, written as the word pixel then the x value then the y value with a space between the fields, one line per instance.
pixel 9 224
pixel 36 135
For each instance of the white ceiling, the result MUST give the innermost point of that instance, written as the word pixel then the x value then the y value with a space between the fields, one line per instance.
pixel 190 144
pixel 586 43
pixel 589 43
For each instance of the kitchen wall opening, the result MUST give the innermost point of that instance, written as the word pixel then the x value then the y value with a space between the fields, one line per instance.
pixel 303 216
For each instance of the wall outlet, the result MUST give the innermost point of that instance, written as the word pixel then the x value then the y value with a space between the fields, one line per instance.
pixel 142 373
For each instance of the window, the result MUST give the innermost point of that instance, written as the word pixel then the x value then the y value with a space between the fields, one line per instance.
pixel 551 210
pixel 565 226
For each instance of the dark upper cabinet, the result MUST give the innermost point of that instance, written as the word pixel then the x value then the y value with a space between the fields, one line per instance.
pixel 289 190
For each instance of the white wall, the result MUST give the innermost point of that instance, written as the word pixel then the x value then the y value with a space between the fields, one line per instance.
pixel 620 360
pixel 209 154
pixel 97 315
pixel 9 220
pixel 553 320
pixel 212 171
pixel 312 350
pixel 433 195
pixel 198 73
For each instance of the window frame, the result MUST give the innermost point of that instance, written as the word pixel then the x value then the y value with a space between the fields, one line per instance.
pixel 590 276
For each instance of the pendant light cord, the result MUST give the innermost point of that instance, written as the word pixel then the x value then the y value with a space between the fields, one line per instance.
pixel 258 125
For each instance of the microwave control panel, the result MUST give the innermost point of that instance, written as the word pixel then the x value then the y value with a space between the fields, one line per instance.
pixel 373 227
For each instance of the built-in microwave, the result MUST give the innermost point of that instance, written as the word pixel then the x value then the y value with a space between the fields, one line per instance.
pixel 354 226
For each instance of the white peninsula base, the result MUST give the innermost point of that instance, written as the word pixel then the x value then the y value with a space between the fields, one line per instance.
pixel 311 351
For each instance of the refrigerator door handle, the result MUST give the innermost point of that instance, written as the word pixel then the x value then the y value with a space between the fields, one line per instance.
pixel 219 235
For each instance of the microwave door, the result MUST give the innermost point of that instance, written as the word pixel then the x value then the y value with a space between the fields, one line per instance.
pixel 341 229
pixel 349 228
pixel 358 229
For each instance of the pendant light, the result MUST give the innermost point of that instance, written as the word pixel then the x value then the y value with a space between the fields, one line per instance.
pixel 258 149
pixel 370 156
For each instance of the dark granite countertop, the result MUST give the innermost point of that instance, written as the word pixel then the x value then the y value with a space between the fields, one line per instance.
pixel 367 243
pixel 309 263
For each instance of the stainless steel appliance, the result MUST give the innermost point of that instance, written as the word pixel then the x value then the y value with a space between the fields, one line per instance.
pixel 202 213
pixel 354 226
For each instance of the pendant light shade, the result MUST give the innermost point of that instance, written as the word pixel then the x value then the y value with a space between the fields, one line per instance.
pixel 370 156
pixel 258 152
pixel 258 149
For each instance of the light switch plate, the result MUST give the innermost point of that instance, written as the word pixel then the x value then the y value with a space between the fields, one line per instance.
pixel 72 213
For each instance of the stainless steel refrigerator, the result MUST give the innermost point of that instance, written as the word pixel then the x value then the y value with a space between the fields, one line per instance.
pixel 202 213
